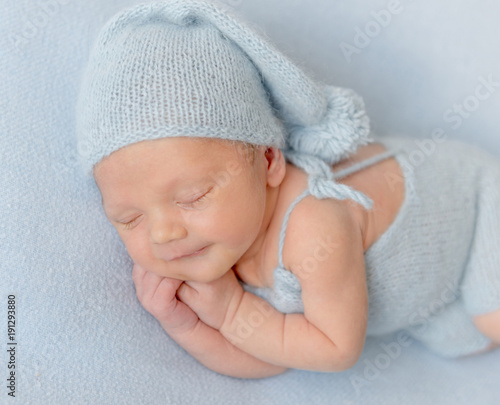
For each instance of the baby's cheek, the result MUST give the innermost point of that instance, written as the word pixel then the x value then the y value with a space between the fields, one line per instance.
pixel 137 248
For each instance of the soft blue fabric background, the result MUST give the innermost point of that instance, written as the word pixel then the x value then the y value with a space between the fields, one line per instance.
pixel 83 337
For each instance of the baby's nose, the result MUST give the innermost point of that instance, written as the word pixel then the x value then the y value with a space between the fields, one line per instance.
pixel 166 230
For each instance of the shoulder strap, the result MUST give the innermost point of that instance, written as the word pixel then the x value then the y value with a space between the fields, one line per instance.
pixel 365 163
pixel 304 194
pixel 337 175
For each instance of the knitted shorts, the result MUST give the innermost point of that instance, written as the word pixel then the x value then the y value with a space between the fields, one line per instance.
pixel 438 264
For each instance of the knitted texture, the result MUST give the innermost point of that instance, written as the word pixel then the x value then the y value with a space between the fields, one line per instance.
pixel 438 263
pixel 192 68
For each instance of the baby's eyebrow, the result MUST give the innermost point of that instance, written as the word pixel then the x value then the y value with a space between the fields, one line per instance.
pixel 113 214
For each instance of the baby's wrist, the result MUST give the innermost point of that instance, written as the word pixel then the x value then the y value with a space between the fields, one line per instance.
pixel 232 312
pixel 182 334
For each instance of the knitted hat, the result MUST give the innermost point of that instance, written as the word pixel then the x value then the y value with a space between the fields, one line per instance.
pixel 192 68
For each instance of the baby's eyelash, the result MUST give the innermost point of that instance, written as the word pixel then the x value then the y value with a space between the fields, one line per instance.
pixel 198 200
pixel 129 224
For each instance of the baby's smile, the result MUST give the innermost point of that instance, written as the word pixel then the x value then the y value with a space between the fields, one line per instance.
pixel 196 253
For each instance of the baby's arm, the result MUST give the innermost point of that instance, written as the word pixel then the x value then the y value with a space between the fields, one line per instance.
pixel 207 345
pixel 213 350
pixel 330 335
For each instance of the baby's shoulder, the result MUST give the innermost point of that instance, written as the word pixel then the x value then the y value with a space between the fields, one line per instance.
pixel 314 220
pixel 310 208
pixel 323 242
pixel 387 196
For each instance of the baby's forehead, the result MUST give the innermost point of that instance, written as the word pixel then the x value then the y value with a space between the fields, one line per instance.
pixel 202 147
pixel 189 156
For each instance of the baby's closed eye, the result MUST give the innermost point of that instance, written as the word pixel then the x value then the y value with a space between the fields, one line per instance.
pixel 198 200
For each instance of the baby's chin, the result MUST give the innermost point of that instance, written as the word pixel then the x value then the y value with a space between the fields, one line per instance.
pixel 207 275
pixel 200 277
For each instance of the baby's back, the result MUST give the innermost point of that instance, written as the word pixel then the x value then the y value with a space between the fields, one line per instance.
pixel 419 231
pixel 438 263
pixel 419 260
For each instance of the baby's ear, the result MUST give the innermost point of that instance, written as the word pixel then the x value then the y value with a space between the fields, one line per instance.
pixel 276 166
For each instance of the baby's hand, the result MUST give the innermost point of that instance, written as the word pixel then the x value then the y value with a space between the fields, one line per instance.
pixel 158 296
pixel 213 302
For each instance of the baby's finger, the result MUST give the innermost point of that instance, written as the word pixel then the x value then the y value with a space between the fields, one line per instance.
pixel 159 288
pixel 148 284
pixel 188 295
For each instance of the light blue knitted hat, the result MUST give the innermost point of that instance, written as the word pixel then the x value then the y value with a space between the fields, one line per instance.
pixel 192 68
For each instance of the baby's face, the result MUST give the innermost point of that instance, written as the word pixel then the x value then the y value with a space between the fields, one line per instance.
pixel 172 197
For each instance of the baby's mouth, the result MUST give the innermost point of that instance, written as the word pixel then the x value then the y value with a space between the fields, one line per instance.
pixel 193 254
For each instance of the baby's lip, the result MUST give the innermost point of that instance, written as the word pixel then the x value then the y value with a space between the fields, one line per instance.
pixel 192 253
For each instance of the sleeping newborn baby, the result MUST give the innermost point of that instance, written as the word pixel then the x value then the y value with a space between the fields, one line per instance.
pixel 268 229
